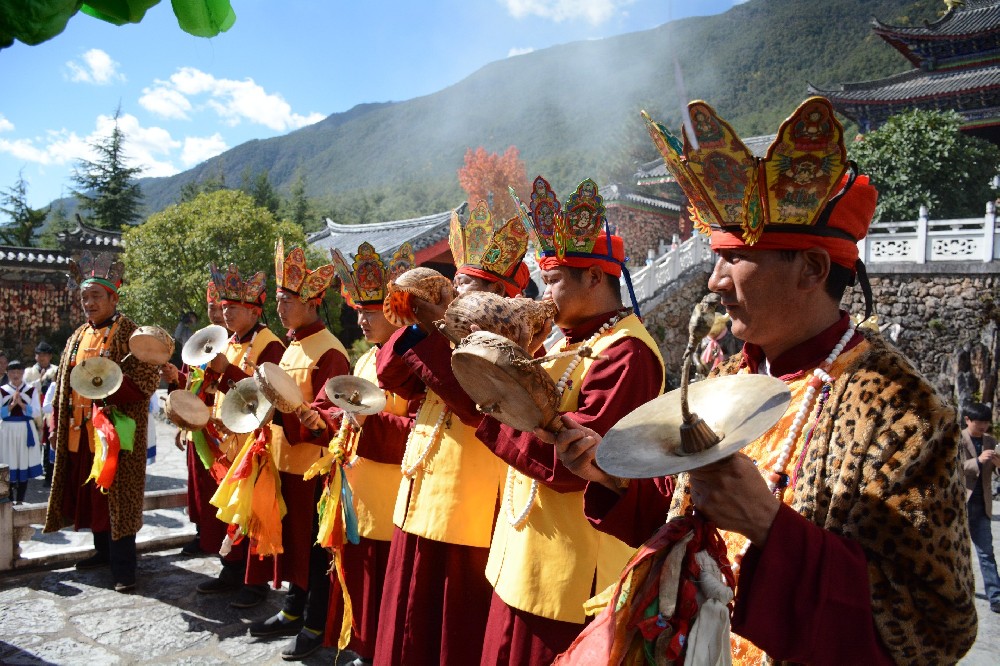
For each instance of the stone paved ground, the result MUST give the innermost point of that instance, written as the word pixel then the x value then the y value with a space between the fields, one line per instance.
pixel 67 617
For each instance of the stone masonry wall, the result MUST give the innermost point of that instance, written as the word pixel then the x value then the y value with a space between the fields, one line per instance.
pixel 947 324
pixel 642 230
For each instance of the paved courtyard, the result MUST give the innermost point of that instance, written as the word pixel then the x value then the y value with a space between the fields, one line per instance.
pixel 62 616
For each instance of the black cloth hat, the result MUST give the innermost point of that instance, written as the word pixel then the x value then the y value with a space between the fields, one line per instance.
pixel 44 348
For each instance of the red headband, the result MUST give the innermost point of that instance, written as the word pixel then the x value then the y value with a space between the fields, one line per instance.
pixel 597 257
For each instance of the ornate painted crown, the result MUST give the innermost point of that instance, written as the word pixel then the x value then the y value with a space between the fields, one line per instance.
pixel 479 241
pixel 364 282
pixel 557 230
pixel 229 286
pixel 731 189
pixel 294 276
pixel 103 269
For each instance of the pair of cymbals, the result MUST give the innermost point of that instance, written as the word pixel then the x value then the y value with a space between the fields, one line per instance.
pixel 647 442
pixel 245 407
pixel 355 395
pixel 204 345
pixel 96 378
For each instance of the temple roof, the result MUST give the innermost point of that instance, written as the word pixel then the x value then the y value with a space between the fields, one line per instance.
pixel 975 17
pixel 617 194
pixel 913 85
pixel 655 172
pixel 423 233
pixel 964 35
pixel 32 257
pixel 85 237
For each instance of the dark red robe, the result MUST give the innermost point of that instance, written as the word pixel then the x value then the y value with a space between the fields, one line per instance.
pixel 630 375
pixel 806 592
pixel 436 596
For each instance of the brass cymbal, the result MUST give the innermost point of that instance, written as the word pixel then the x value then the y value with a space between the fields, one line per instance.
pixel 647 442
pixel 355 395
pixel 96 378
pixel 245 408
pixel 204 344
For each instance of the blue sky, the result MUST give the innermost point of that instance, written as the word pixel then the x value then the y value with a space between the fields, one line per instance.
pixel 283 65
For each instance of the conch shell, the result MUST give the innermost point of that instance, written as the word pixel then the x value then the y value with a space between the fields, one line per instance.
pixel 419 282
pixel 518 319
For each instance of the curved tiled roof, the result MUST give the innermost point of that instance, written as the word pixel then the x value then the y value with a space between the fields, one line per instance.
pixel 977 16
pixel 421 232
pixel 33 256
pixel 913 85
pixel 85 235
pixel 617 193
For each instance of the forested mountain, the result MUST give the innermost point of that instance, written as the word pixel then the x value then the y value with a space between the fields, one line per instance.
pixel 572 110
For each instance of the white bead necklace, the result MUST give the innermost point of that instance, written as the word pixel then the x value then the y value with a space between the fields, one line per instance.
pixel 410 471
pixel 585 350
pixel 820 376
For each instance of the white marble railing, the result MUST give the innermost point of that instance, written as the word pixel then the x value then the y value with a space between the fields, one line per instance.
pixel 921 241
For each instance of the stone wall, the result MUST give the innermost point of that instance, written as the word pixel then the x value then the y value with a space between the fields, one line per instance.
pixel 643 230
pixel 667 314
pixel 944 317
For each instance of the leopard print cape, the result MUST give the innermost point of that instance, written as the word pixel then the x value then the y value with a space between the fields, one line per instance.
pixel 883 470
pixel 126 494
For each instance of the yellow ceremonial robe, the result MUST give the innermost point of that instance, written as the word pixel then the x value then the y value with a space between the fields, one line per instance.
pixel 299 361
pixel 547 566
pixel 243 355
pixel 373 483
pixel 452 496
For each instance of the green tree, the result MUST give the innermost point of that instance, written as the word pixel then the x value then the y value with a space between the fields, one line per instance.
pixel 923 158
pixel 24 221
pixel 106 188
pixel 57 222
pixel 299 203
pixel 167 257
pixel 259 187
pixel 191 189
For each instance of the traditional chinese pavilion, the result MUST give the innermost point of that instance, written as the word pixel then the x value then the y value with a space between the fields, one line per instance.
pixel 956 66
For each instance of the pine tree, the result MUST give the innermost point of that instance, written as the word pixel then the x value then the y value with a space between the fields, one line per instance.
pixel 106 188
pixel 259 187
pixel 25 221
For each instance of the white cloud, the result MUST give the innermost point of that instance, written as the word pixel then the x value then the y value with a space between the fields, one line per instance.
pixel 146 147
pixel 197 149
pixel 234 101
pixel 515 51
pixel 5 125
pixel 594 12
pixel 97 68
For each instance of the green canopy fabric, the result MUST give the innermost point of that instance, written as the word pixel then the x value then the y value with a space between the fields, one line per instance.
pixel 35 21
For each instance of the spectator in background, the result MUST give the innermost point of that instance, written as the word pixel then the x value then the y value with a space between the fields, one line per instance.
pixel 184 330
pixel 980 461
pixel 42 375
pixel 20 445
pixel 3 367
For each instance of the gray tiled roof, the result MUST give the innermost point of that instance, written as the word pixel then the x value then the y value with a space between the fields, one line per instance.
pixel 975 17
pixel 386 237
pixel 32 256
pixel 914 84
pixel 613 193
pixel 84 234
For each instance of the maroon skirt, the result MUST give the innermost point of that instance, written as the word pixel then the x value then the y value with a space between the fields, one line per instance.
pixel 517 637
pixel 364 572
pixel 297 537
pixel 82 501
pixel 434 604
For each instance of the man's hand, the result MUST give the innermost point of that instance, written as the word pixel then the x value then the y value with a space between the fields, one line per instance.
pixel 989 455
pixel 311 419
pixel 169 373
pixel 733 495
pixel 426 313
pixel 576 446
pixel 540 336
pixel 219 363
